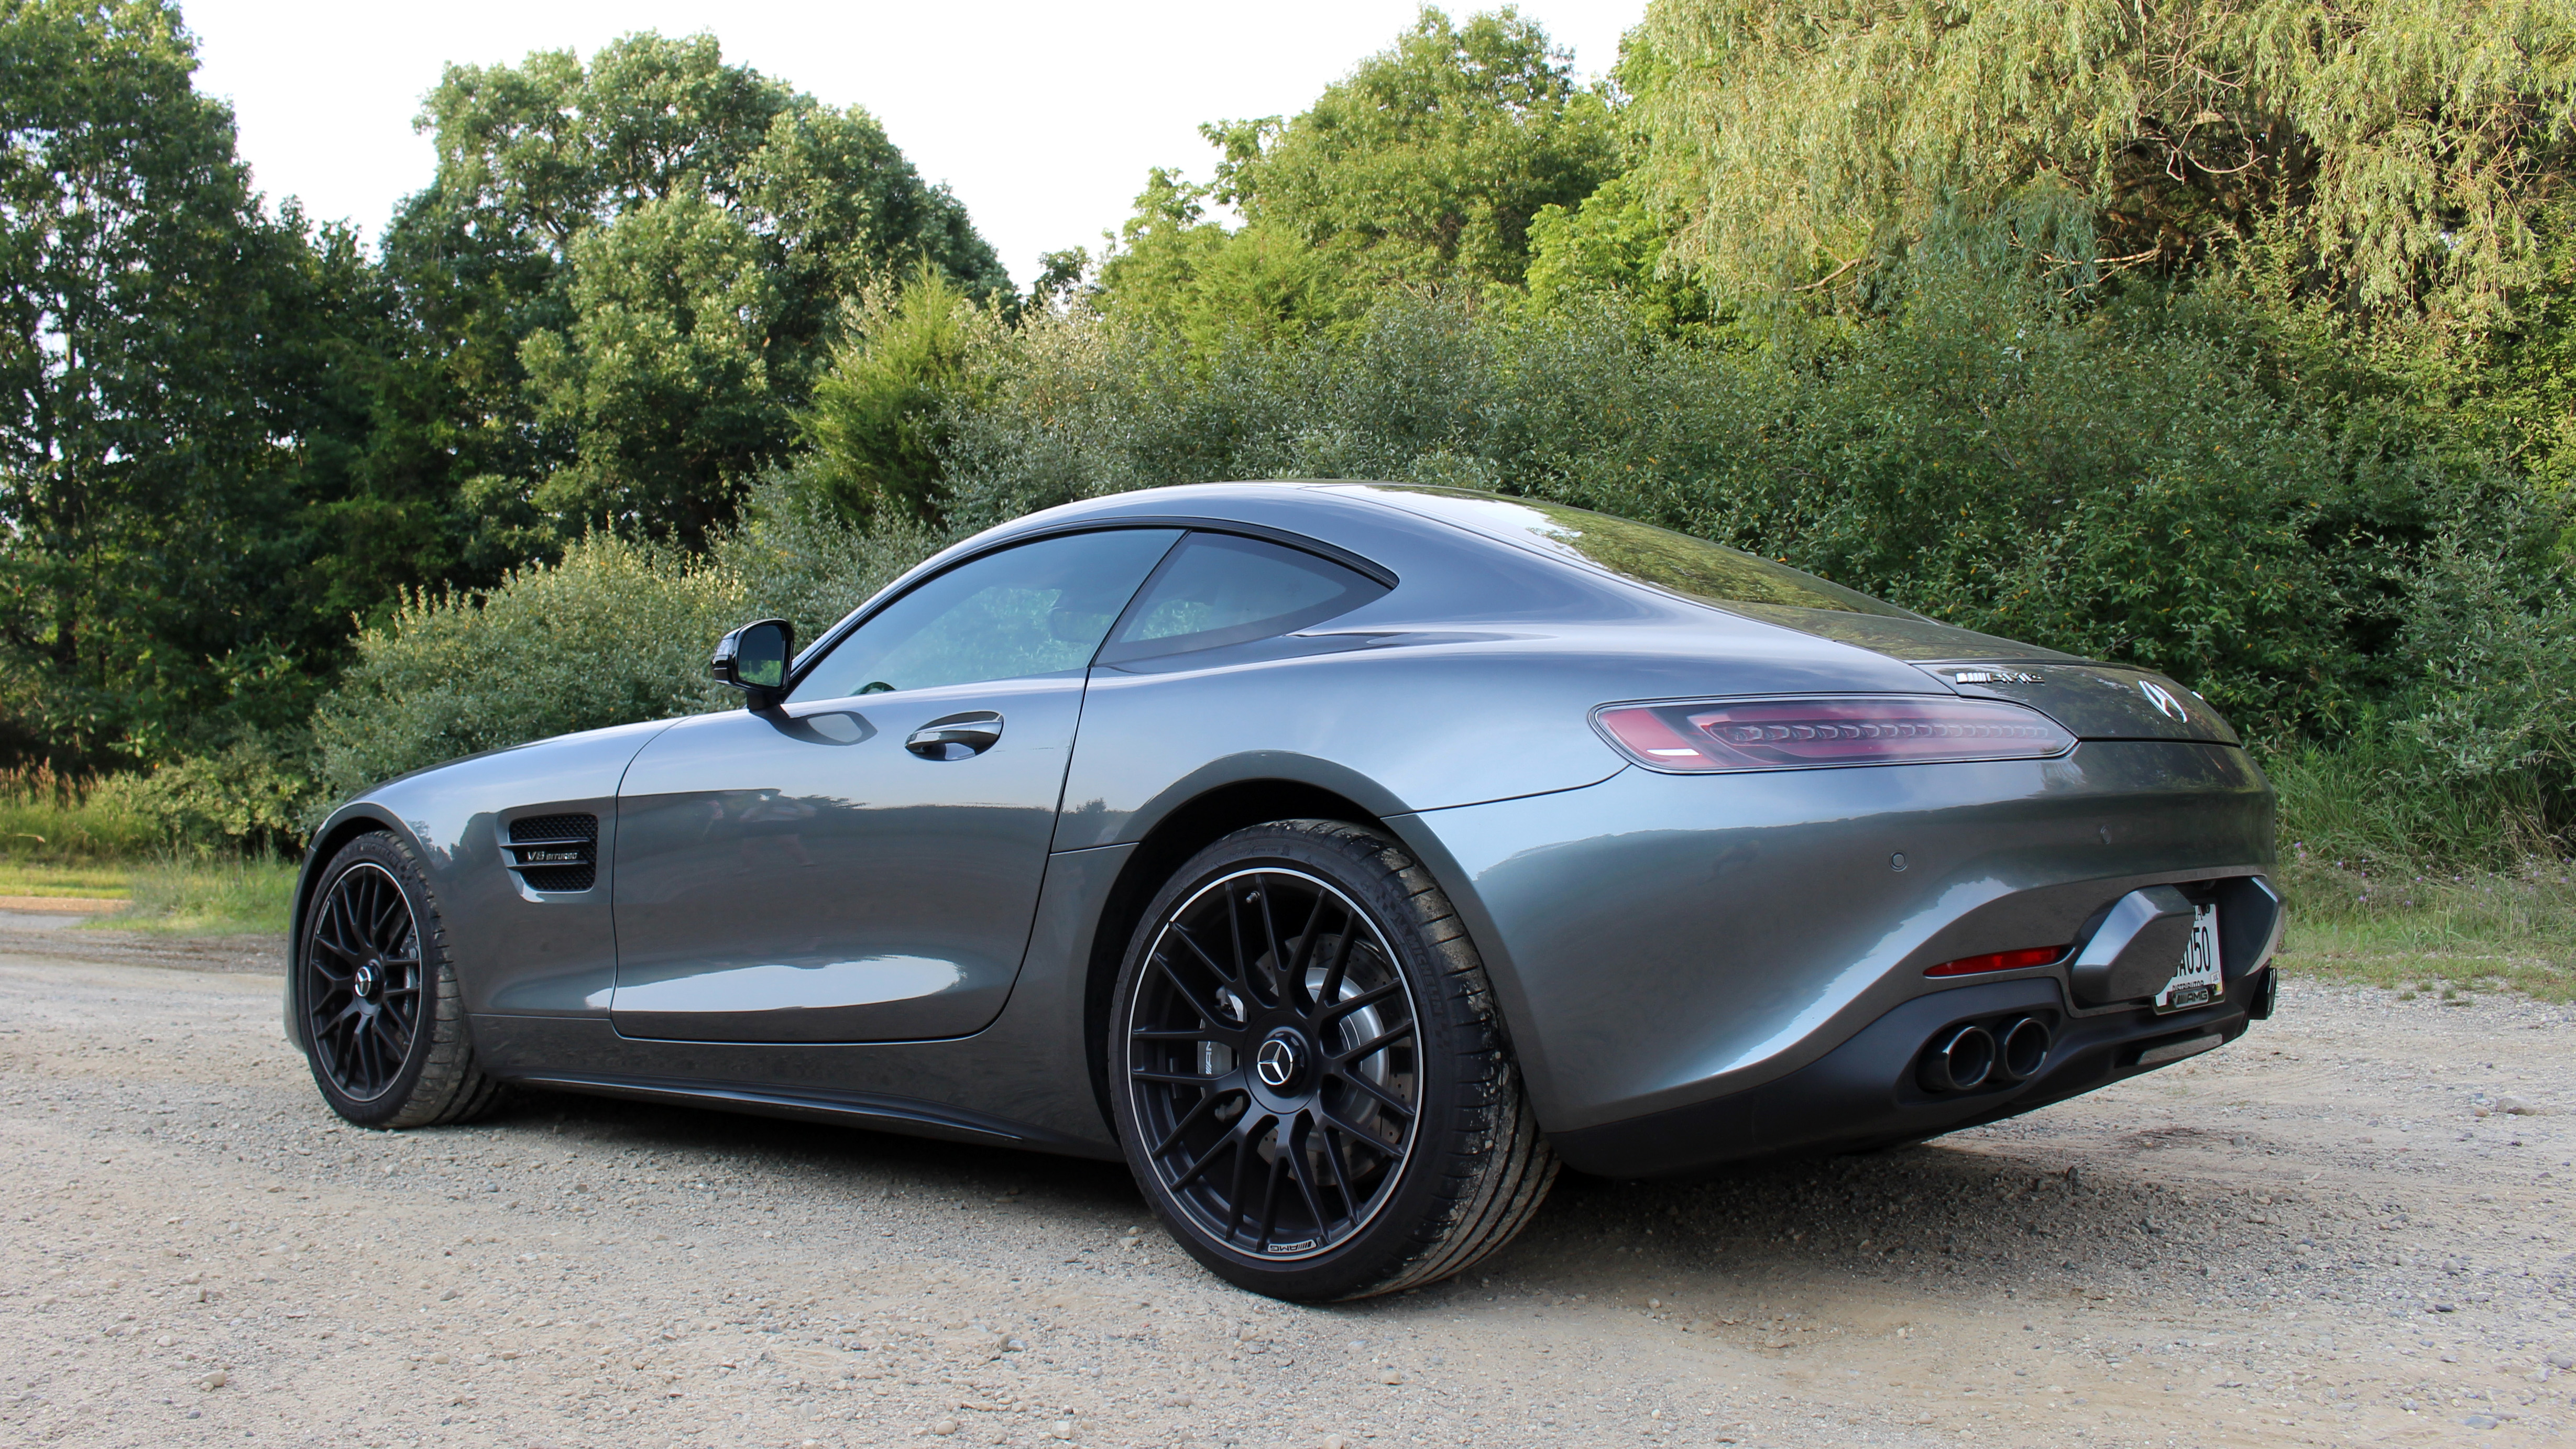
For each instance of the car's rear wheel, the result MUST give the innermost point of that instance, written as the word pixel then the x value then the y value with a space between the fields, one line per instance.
pixel 384 1026
pixel 1310 1078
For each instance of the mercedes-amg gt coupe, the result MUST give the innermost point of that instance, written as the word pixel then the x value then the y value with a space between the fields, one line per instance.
pixel 1342 856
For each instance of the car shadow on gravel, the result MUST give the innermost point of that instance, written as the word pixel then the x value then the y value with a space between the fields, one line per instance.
pixel 826 1157
pixel 1932 1217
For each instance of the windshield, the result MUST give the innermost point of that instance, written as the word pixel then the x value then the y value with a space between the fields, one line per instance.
pixel 1676 562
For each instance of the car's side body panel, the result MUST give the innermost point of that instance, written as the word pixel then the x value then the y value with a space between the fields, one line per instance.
pixel 800 875
pixel 525 952
pixel 1024 1078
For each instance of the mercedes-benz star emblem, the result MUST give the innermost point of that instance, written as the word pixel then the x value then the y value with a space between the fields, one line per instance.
pixel 2162 698
pixel 363 986
pixel 1277 1062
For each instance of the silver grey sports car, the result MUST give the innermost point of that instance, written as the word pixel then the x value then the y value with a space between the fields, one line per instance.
pixel 1342 856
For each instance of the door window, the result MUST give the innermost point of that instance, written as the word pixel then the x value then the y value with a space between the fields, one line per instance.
pixel 1218 589
pixel 1037 608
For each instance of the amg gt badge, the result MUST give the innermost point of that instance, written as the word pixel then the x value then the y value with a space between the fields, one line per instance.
pixel 1995 676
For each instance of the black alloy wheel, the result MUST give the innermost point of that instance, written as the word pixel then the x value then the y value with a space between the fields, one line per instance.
pixel 380 1015
pixel 1275 1063
pixel 362 982
pixel 1308 1076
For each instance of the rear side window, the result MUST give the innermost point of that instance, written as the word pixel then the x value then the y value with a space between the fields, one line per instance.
pixel 1217 589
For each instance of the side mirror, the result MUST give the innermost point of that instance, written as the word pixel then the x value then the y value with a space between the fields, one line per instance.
pixel 754 660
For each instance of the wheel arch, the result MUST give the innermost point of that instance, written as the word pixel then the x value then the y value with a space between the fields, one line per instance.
pixel 1192 821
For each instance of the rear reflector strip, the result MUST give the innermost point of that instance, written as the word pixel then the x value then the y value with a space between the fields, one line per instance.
pixel 1998 961
pixel 1713 736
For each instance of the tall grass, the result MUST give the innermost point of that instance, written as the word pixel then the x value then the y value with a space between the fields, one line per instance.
pixel 54 819
pixel 197 896
pixel 2368 802
pixel 65 835
pixel 2396 880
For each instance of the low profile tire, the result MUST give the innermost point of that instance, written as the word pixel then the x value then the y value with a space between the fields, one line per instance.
pixel 384 1026
pixel 1308 1073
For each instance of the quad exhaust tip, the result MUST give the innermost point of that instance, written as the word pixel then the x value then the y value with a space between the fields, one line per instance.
pixel 1964 1058
pixel 1959 1060
pixel 2024 1050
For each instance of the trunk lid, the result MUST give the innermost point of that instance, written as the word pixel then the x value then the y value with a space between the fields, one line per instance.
pixel 2093 701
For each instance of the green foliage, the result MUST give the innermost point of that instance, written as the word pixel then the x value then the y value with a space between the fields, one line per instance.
pixel 53 819
pixel 171 428
pixel 2406 145
pixel 179 896
pixel 662 379
pixel 615 632
pixel 2490 641
pixel 1425 166
pixel 880 414
pixel 253 796
pixel 1612 245
pixel 638 266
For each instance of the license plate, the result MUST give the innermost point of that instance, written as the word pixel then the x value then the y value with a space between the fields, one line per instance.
pixel 2197 983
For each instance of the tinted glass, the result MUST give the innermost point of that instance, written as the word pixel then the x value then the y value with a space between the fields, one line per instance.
pixel 1219 589
pixel 1034 609
pixel 1641 551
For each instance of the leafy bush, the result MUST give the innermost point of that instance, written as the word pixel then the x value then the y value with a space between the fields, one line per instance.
pixel 616 632
pixel 2129 492
pixel 252 796
pixel 880 411
pixel 2491 641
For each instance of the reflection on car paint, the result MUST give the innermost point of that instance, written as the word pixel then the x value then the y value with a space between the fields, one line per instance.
pixel 779 986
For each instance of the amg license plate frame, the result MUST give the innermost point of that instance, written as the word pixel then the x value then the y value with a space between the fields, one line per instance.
pixel 2198 982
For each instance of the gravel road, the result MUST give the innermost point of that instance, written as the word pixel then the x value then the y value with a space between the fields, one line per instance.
pixel 2312 1237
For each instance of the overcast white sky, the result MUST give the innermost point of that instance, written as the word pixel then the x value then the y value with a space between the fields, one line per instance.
pixel 1041 117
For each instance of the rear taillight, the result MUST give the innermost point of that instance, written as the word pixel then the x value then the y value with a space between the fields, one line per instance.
pixel 1808 734
pixel 1997 961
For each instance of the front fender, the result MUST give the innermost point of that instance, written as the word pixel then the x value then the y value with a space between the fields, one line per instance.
pixel 513 951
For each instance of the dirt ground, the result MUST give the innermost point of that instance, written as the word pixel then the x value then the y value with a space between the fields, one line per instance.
pixel 2329 1233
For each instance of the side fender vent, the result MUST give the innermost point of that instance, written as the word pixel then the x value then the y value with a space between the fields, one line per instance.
pixel 555 852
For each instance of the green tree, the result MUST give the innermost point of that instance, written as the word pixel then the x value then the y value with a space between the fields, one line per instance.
pixel 2401 147
pixel 644 260
pixel 1613 245
pixel 884 411
pixel 164 420
pixel 1425 166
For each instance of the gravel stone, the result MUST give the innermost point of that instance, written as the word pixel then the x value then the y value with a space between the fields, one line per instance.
pixel 2263 1240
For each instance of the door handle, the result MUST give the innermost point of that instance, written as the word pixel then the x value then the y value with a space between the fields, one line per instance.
pixel 958 737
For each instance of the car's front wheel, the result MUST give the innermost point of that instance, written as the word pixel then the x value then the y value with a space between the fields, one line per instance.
pixel 384 1025
pixel 1310 1078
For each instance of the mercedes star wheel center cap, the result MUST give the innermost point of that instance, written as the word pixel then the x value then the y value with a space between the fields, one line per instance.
pixel 1280 1060
pixel 365 984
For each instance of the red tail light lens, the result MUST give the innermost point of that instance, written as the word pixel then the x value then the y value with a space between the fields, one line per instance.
pixel 1998 961
pixel 1808 734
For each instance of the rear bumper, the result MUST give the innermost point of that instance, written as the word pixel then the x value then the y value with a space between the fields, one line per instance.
pixel 1866 1093
pixel 1661 942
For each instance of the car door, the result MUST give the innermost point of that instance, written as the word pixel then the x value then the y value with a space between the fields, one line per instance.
pixel 862 862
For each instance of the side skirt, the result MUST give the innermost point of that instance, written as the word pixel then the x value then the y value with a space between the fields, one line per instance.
pixel 847 1109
